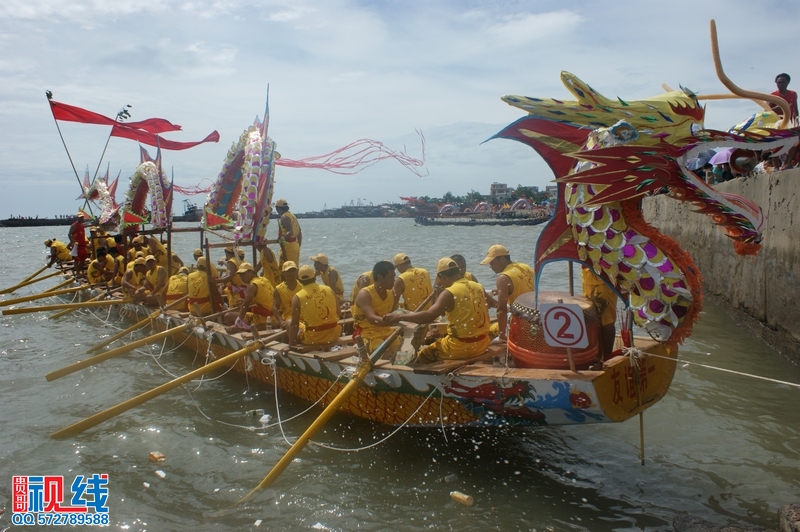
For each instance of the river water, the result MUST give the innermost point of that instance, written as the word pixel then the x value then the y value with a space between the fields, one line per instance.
pixel 720 446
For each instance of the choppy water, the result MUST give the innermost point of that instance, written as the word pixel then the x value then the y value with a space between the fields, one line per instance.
pixel 720 446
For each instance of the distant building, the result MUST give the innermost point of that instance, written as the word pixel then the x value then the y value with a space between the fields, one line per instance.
pixel 552 191
pixel 499 190
pixel 532 188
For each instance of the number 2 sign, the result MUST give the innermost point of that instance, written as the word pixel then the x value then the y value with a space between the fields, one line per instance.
pixel 563 325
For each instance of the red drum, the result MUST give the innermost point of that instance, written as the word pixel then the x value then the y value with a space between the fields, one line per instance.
pixel 526 341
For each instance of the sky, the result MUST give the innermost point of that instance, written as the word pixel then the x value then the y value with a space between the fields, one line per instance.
pixel 339 71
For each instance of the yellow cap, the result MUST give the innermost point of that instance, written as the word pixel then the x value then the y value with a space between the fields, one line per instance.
pixel 495 251
pixel 137 240
pixel 288 265
pixel 198 252
pixel 240 252
pixel 400 258
pixel 80 215
pixel 245 267
pixel 139 262
pixel 306 273
pixel 201 262
pixel 320 257
pixel 446 264
pixel 48 242
pixel 281 203
pixel 183 271
pixel 139 254
pixel 149 258
pixel 229 249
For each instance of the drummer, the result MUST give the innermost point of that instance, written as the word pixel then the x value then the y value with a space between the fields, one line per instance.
pixel 464 305
pixel 283 294
pixel 513 280
pixel 329 275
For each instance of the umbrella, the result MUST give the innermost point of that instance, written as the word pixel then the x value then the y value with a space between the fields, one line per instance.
pixel 697 163
pixel 722 156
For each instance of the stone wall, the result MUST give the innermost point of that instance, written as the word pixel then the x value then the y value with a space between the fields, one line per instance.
pixel 767 286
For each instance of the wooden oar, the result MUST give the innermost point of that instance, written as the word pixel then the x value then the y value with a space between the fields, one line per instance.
pixel 22 282
pixel 26 283
pixel 65 312
pixel 153 315
pixel 16 300
pixel 63 306
pixel 364 367
pixel 155 392
pixel 72 368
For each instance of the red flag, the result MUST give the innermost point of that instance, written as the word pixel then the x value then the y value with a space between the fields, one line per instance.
pixel 70 113
pixel 126 132
pixel 215 220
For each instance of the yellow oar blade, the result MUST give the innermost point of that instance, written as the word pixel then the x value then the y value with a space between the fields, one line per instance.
pixel 105 415
pixel 72 368
pixel 132 328
pixel 22 282
pixel 330 410
pixel 86 304
pixel 34 297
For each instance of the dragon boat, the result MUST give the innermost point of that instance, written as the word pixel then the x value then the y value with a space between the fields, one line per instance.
pixel 606 154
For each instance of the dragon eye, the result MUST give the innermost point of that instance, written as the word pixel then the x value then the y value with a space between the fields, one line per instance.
pixel 695 128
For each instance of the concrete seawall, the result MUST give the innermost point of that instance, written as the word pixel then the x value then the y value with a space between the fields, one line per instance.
pixel 765 287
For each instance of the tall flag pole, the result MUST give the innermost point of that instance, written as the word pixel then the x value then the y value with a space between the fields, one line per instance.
pixel 121 115
pixel 49 96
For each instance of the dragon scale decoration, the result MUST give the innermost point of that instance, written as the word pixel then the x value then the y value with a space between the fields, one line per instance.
pixel 606 154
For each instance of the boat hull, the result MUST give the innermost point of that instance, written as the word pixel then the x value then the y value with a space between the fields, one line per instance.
pixel 475 394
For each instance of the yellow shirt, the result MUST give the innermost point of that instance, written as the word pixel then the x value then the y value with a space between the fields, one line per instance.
pixel 136 279
pixel 271 269
pixel 152 278
pixel 382 307
pixel 521 276
pixel 417 284
pixel 318 312
pixel 198 292
pixel 94 274
pixel 177 287
pixel 339 288
pixel 62 253
pixel 469 318
pixel 120 270
pixel 262 301
pixel 286 294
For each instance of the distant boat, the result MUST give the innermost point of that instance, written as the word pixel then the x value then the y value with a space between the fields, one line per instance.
pixel 191 213
pixel 36 222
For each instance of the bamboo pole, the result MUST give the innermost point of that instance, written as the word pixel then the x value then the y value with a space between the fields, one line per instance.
pixel 67 311
pixel 30 282
pixel 42 295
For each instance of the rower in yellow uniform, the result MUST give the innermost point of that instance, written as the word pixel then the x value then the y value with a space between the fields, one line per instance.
pixel 177 287
pixel 199 290
pixel 155 282
pixel 329 275
pixel 158 251
pixel 269 263
pixel 372 304
pixel 290 236
pixel 462 265
pixel 235 289
pixel 513 280
pixel 101 269
pixel 58 252
pixel 605 301
pixel 283 294
pixel 464 305
pixel 133 280
pixel 315 313
pixel 413 284
pixel 199 253
pixel 119 266
pixel 138 247
pixel 257 306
